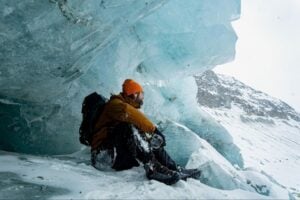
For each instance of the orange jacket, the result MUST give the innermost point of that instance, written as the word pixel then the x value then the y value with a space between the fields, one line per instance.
pixel 119 109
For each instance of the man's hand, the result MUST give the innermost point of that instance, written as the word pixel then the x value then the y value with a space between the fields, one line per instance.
pixel 161 135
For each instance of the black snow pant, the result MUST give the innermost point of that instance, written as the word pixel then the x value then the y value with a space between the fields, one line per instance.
pixel 128 150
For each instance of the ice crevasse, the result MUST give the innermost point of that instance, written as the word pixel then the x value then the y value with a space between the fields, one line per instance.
pixel 53 53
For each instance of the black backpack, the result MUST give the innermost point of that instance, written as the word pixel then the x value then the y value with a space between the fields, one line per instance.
pixel 92 107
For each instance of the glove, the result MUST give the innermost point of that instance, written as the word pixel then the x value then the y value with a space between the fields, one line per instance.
pixel 156 131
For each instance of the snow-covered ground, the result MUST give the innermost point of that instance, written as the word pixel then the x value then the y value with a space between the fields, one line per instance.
pixel 70 177
pixel 273 148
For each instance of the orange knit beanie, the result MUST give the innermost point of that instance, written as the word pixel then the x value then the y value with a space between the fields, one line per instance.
pixel 131 87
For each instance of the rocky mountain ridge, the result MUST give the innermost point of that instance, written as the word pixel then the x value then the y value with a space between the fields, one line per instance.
pixel 220 91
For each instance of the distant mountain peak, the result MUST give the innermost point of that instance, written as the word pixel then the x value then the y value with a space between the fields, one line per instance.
pixel 220 91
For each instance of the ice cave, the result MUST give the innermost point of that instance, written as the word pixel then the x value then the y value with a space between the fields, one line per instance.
pixel 55 52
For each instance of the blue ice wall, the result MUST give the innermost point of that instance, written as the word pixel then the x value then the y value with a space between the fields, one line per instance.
pixel 55 52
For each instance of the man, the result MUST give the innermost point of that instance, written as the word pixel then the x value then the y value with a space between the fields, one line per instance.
pixel 131 137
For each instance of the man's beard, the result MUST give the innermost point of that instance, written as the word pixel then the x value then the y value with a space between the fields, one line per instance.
pixel 140 102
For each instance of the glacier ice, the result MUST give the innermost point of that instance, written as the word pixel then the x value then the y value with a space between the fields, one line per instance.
pixel 219 173
pixel 179 108
pixel 55 52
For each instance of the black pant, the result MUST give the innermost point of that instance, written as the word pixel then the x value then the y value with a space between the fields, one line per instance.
pixel 129 150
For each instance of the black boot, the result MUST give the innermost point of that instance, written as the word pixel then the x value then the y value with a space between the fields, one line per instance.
pixel 154 170
pixel 188 173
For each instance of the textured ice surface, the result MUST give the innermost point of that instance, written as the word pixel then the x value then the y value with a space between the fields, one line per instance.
pixel 55 52
pixel 182 142
pixel 177 107
pixel 219 173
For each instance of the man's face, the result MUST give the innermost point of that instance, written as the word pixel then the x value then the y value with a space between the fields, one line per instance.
pixel 140 98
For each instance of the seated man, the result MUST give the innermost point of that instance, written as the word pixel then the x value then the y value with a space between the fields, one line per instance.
pixel 122 130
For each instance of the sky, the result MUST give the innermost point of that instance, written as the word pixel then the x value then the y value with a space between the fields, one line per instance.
pixel 268 49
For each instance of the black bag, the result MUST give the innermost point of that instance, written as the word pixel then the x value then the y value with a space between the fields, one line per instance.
pixel 92 107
